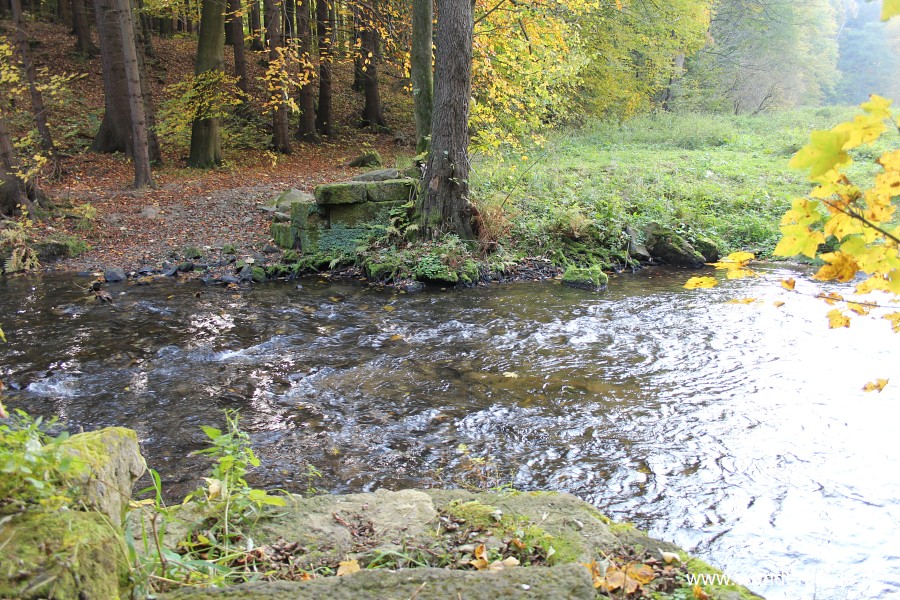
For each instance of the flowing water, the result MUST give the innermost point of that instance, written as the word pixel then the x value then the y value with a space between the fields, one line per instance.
pixel 739 431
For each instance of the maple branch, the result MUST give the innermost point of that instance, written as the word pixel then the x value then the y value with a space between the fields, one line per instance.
pixel 866 222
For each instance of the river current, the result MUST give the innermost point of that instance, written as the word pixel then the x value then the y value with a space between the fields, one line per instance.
pixel 739 431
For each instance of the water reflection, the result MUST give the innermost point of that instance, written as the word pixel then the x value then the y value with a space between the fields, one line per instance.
pixel 738 431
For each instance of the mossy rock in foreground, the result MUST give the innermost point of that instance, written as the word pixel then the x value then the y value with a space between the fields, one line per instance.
pixel 586 278
pixel 64 555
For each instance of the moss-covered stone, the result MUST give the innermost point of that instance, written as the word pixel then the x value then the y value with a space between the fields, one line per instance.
pixel 355 216
pixel 309 240
pixel 347 192
pixel 306 215
pixel 367 159
pixel 284 235
pixel 670 248
pixel 258 274
pixel 64 555
pixel 392 190
pixel 587 278
pixel 708 248
pixel 109 463
pixel 338 238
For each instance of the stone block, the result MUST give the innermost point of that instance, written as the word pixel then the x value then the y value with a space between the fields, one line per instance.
pixel 347 192
pixel 392 190
pixel 284 235
pixel 355 216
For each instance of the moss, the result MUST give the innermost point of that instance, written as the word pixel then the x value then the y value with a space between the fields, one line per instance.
pixel 590 278
pixel 305 215
pixel 699 567
pixel 358 215
pixel 284 235
pixel 470 272
pixel 62 555
pixel 368 159
pixel 258 274
pixel 392 190
pixel 348 192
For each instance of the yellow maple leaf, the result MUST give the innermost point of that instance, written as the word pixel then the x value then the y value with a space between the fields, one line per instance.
pixel 837 319
pixel 841 266
pixel 480 561
pixel 699 594
pixel 831 299
pixel 877 106
pixel 799 239
pixel 875 386
pixel 742 301
pixel 894 318
pixel 802 212
pixel 862 130
pixel 695 283
pixel 824 152
pixel 889 8
pixel 348 567
pixel 778 303
pixel 788 284
pixel 860 309
pixel 740 273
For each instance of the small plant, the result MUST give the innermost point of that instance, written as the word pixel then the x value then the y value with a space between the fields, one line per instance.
pixel 86 215
pixel 17 239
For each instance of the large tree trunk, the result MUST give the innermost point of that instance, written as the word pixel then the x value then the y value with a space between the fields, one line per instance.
pixel 37 100
pixel 115 134
pixel 445 206
pixel 421 74
pixel 145 42
pixel 142 175
pixel 64 8
pixel 206 140
pixel 84 45
pixel 281 138
pixel 236 27
pixel 306 131
pixel 290 20
pixel 372 115
pixel 13 191
pixel 325 33
pixel 255 27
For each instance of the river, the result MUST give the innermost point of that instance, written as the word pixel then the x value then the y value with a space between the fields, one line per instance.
pixel 739 431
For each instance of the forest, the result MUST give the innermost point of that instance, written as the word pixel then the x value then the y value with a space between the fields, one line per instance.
pixel 449 299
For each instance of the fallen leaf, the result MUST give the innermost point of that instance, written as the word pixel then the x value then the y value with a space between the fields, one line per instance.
pixel 788 284
pixel 778 303
pixel 875 386
pixel 699 594
pixel 832 298
pixel 396 337
pixel 860 309
pixel 742 301
pixel 510 375
pixel 480 561
pixel 894 318
pixel 669 557
pixel 389 308
pixel 348 567
pixel 695 283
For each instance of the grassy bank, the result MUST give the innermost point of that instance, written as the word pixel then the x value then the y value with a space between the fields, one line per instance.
pixel 716 176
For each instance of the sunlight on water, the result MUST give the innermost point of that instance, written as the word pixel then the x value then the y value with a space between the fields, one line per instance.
pixel 739 431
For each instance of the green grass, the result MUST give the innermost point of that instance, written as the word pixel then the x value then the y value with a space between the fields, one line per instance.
pixel 719 176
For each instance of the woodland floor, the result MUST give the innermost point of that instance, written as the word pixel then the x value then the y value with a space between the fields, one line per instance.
pixel 187 207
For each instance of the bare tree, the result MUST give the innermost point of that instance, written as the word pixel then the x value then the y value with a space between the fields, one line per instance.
pixel 142 174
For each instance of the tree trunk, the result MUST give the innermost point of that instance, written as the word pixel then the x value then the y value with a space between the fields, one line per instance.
pixel 166 27
pixel 115 134
pixel 325 33
pixel 236 27
pixel 372 115
pixel 358 62
pixel 142 175
pixel 421 74
pixel 445 207
pixel 65 11
pixel 146 30
pixel 306 98
pixel 677 71
pixel 281 138
pixel 255 27
pixel 84 45
pixel 290 20
pixel 12 189
pixel 206 141
pixel 37 100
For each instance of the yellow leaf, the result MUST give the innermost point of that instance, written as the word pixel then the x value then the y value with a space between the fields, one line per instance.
pixel 740 273
pixel 510 375
pixel 876 105
pixel 836 319
pixel 480 561
pixel 641 573
pixel 841 266
pixel 742 301
pixel 700 283
pixel 396 337
pixel 889 8
pixel 778 303
pixel 389 308
pixel 831 299
pixel 894 318
pixel 823 153
pixel 348 567
pixel 670 557
pixel 799 239
pixel 875 386
pixel 788 284
pixel 861 130
pixel 740 257
pixel 699 594
pixel 860 309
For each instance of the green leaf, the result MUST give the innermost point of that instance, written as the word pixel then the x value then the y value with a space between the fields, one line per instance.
pixel 211 432
pixel 823 153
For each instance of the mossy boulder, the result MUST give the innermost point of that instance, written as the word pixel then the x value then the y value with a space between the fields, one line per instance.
pixel 347 192
pixel 587 278
pixel 670 248
pixel 707 248
pixel 284 235
pixel 379 175
pixel 64 555
pixel 356 216
pixel 367 159
pixel 109 463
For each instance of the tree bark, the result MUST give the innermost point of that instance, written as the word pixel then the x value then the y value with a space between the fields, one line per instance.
pixel 12 189
pixel 255 27
pixel 146 30
pixel 115 134
pixel 445 206
pixel 281 138
pixel 64 7
pixel 325 35
pixel 236 27
pixel 39 111
pixel 290 19
pixel 142 175
pixel 372 115
pixel 206 140
pixel 84 45
pixel 306 131
pixel 421 74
